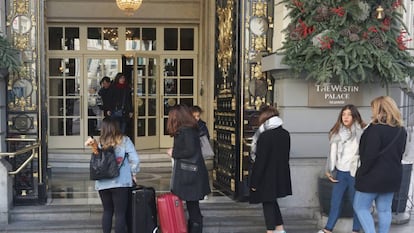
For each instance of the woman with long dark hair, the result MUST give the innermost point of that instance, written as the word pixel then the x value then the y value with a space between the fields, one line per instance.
pixel 188 184
pixel 344 140
pixel 120 104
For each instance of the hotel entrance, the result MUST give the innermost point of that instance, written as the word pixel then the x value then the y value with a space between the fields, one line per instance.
pixel 161 76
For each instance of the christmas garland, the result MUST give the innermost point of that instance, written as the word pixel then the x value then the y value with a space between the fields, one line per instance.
pixel 346 41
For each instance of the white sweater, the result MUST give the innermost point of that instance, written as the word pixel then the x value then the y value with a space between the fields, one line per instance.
pixel 343 161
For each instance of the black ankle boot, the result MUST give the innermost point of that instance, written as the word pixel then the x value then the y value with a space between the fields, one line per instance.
pixel 195 227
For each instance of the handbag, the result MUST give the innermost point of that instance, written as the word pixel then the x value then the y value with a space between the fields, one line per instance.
pixel 103 165
pixel 206 149
pixel 356 160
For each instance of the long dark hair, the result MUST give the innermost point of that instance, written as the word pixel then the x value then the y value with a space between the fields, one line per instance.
pixel 180 116
pixel 356 117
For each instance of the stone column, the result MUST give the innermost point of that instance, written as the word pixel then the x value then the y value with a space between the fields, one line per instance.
pixel 6 197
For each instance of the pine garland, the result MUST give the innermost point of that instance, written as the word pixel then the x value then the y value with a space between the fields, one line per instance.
pixel 342 41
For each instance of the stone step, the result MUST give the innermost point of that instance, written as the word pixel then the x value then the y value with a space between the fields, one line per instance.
pixel 219 217
pixel 80 159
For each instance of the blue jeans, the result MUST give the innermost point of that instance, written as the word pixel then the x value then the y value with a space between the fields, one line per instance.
pixel 345 184
pixel 362 207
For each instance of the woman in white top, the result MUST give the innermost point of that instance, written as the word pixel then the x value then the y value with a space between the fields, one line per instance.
pixel 344 139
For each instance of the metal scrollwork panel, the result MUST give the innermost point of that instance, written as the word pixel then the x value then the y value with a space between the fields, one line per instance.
pixel 21 94
pixel 258 31
pixel 22 124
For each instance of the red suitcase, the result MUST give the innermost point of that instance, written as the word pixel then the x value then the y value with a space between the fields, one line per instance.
pixel 171 214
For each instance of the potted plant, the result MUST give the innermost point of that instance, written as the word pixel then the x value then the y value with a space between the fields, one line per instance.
pixel 9 58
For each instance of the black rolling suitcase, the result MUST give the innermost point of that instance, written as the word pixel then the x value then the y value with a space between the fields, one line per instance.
pixel 144 211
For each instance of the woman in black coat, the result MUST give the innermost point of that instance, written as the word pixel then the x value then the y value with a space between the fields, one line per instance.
pixel 270 177
pixel 120 102
pixel 377 179
pixel 189 180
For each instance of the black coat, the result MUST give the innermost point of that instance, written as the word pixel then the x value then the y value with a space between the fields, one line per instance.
pixel 271 171
pixel 104 93
pixel 120 98
pixel 186 184
pixel 380 171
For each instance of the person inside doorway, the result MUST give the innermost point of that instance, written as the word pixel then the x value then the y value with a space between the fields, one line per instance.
pixel 120 103
pixel 104 94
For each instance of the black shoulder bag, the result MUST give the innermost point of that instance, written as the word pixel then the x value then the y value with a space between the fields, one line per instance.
pixel 103 165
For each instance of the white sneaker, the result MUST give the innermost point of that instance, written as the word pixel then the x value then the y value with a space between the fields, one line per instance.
pixel 321 231
pixel 279 231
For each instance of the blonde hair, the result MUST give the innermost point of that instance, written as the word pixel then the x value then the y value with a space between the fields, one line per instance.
pixel 385 112
pixel 110 133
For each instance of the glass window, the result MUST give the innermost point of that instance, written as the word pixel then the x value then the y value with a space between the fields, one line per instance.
pixel 72 39
pixel 55 38
pixel 170 39
pixel 170 67
pixel 186 86
pixel 110 36
pixel 94 39
pixel 152 127
pixel 133 38
pixel 55 67
pixel 187 39
pixel 186 67
pixel 170 86
pixel 149 37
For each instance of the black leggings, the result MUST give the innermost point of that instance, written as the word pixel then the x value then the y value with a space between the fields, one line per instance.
pixel 194 212
pixel 114 200
pixel 272 215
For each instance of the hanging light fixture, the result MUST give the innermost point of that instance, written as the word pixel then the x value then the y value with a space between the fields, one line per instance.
pixel 129 6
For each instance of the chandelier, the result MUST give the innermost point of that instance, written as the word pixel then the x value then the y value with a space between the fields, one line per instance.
pixel 129 6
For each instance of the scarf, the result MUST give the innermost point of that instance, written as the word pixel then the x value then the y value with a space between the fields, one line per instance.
pixel 344 135
pixel 271 123
pixel 121 85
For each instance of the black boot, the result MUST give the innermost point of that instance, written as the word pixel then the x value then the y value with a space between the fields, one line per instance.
pixel 195 227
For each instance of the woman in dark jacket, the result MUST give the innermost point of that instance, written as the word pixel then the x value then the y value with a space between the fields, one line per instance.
pixel 120 103
pixel 270 177
pixel 189 180
pixel 379 176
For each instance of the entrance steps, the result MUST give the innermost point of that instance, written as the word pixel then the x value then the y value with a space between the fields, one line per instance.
pixel 221 215
pixel 80 158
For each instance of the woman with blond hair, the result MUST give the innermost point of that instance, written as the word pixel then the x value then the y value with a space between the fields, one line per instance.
pixel 114 192
pixel 379 176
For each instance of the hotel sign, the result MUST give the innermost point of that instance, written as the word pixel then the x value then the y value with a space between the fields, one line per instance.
pixel 329 95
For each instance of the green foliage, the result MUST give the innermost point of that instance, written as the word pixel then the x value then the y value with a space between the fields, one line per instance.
pixel 9 56
pixel 342 41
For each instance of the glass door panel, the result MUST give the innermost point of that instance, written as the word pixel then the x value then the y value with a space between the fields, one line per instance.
pixel 178 87
pixel 65 102
pixel 145 73
pixel 96 69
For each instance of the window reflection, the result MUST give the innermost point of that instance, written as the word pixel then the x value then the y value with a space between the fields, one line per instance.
pixel 133 38
pixel 170 67
pixel 187 39
pixel 94 39
pixel 170 39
